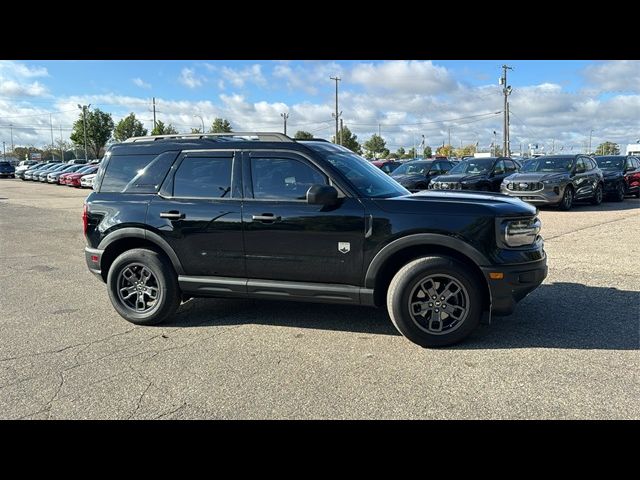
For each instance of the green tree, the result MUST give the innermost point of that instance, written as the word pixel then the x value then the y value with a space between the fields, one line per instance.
pixel 400 153
pixel 608 148
pixel 128 127
pixel 445 150
pixel 196 130
pixel 349 140
pixel 99 129
pixel 411 153
pixel 302 135
pixel 162 129
pixel 427 152
pixel 376 146
pixel 220 125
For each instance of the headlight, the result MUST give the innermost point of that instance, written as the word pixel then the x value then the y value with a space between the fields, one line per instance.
pixel 547 182
pixel 517 233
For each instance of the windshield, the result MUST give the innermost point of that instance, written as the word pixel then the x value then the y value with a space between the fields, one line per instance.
pixel 475 166
pixel 367 179
pixel 557 164
pixel 610 163
pixel 412 168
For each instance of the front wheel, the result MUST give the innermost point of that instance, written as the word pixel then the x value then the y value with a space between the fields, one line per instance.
pixel 143 287
pixel 567 199
pixel 597 196
pixel 618 196
pixel 434 301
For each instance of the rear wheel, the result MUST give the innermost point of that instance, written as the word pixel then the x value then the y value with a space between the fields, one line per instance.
pixel 434 301
pixel 567 199
pixel 597 195
pixel 143 287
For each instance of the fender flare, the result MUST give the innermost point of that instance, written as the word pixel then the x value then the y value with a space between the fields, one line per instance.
pixel 137 232
pixel 420 239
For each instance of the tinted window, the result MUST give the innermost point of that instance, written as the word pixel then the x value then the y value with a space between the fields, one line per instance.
pixel 412 168
pixel 580 165
pixel 499 168
pixel 283 178
pixel 203 177
pixel 511 167
pixel 121 170
pixel 148 179
pixel 636 163
pixel 477 166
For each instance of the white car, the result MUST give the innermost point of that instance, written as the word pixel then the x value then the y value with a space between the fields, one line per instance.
pixel 87 181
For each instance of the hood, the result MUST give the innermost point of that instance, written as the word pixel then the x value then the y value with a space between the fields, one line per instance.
pixel 455 202
pixel 408 178
pixel 7 168
pixel 536 176
pixel 460 177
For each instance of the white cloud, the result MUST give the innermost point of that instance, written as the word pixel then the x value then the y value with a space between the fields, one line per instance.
pixel 138 82
pixel 189 78
pixel 13 88
pixel 312 77
pixel 403 76
pixel 614 75
pixel 16 69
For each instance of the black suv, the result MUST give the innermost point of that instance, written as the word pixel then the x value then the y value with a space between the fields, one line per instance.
pixel 481 174
pixel 259 215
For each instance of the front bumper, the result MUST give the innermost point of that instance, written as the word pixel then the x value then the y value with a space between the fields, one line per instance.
pixel 93 257
pixel 518 282
pixel 549 195
pixel 6 174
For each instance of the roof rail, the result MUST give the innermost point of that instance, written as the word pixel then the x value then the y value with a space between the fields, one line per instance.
pixel 312 140
pixel 262 136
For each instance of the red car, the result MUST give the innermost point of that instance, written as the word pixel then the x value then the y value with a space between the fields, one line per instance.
pixel 387 166
pixel 73 179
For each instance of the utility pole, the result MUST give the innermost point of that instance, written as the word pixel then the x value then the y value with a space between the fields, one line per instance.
pixel 285 116
pixel 61 144
pixel 590 134
pixel 506 90
pixel 11 128
pixel 341 132
pixel 51 125
pixel 4 152
pixel 84 126
pixel 154 115
pixel 449 143
pixel 495 144
pixel 338 113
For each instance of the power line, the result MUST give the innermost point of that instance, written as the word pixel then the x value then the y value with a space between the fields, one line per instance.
pixel 425 123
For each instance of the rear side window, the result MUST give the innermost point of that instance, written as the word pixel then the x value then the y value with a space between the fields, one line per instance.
pixel 136 173
pixel 203 177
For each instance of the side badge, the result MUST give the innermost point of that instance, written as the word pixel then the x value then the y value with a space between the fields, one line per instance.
pixel 344 247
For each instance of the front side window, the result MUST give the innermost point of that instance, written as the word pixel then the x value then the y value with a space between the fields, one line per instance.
pixel 283 178
pixel 499 168
pixel 203 177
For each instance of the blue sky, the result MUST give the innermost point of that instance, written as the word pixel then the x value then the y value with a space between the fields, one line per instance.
pixel 553 102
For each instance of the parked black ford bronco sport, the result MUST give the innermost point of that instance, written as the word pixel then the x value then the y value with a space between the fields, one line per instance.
pixel 259 215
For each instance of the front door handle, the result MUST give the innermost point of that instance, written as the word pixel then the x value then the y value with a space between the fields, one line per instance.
pixel 266 217
pixel 172 215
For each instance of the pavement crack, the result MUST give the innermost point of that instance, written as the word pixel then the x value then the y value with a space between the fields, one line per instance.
pixel 546 239
pixel 140 400
pixel 184 404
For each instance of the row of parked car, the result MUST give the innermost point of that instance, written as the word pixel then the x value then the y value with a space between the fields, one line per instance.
pixel 79 175
pixel 556 180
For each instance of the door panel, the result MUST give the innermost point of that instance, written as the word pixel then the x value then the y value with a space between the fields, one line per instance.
pixel 200 222
pixel 499 174
pixel 286 238
pixel 582 181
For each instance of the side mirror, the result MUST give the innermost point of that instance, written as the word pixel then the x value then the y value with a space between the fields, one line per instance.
pixel 322 195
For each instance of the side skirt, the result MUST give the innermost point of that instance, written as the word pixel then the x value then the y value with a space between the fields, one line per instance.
pixel 275 289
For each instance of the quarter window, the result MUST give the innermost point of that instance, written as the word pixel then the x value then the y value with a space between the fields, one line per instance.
pixel 203 177
pixel 283 178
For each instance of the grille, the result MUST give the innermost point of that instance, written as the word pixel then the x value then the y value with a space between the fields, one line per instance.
pixel 524 186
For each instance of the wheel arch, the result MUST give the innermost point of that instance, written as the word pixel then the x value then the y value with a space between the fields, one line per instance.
pixel 128 238
pixel 398 253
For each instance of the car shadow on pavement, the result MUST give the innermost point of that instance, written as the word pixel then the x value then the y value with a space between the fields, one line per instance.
pixel 558 315
pixel 566 315
pixel 211 311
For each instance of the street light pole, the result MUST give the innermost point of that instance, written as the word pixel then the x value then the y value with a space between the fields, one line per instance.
pixel 285 116
pixel 201 120
pixel 337 114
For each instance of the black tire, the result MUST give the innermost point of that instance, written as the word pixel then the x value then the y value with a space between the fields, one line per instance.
pixel 567 199
pixel 168 292
pixel 618 196
pixel 597 195
pixel 411 277
pixel 638 193
pixel 421 186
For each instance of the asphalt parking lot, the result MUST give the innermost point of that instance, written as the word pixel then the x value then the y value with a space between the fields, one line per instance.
pixel 571 350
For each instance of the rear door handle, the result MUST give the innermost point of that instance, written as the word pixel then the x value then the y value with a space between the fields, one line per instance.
pixel 172 215
pixel 266 217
